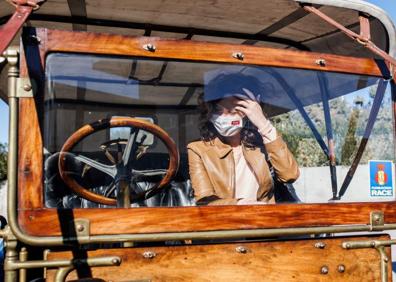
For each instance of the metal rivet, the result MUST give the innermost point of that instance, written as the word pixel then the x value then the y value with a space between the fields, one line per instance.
pixel 372 244
pixel 115 261
pixel 238 55
pixel 348 245
pixel 324 269
pixel 34 39
pixel 341 268
pixel 27 87
pixel 320 245
pixel 149 47
pixel 386 259
pixel 149 255
pixel 80 228
pixel 321 62
pixel 241 249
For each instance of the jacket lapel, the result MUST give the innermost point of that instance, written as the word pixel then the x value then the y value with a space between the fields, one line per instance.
pixel 221 149
pixel 256 160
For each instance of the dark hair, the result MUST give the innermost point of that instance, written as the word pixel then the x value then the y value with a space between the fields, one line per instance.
pixel 218 87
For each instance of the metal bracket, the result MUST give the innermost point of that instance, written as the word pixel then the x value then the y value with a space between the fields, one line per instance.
pixel 82 229
pixel 377 221
pixel 375 244
pixel 25 87
pixel 364 36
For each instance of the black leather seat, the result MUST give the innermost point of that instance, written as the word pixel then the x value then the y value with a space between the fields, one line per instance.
pixel 178 193
pixel 58 195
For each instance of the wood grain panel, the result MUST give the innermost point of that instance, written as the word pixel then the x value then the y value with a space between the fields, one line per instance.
pixel 30 145
pixel 153 220
pixel 30 165
pixel 106 44
pixel 264 261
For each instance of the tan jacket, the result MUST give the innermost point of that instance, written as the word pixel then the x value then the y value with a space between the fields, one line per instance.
pixel 212 170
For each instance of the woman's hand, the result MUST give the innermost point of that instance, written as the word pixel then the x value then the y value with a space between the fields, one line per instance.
pixel 251 108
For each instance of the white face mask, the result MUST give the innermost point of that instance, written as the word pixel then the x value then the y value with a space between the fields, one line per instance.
pixel 227 125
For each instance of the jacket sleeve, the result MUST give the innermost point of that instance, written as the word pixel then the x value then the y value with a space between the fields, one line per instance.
pixel 282 160
pixel 204 192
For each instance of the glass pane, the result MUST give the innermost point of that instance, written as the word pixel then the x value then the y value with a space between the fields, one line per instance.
pixel 244 134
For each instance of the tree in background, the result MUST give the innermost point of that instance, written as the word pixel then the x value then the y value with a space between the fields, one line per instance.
pixel 3 161
pixel 349 120
pixel 350 143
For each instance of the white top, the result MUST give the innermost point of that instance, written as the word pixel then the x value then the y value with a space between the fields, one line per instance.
pixel 246 185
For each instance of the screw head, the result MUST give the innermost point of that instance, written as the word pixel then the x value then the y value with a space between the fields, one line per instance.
pixel 27 87
pixel 80 228
pixel 341 268
pixel 35 38
pixel 321 62
pixel 149 255
pixel 149 47
pixel 238 55
pixel 320 245
pixel 324 269
pixel 241 249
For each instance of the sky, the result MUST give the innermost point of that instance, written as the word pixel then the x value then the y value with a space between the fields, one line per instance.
pixel 387 5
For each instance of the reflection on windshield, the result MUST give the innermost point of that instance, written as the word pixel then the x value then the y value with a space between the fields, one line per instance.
pixel 316 119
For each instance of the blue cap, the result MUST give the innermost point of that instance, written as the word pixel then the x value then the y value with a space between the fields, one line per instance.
pixel 226 83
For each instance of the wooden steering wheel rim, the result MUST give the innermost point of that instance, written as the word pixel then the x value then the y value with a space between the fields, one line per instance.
pixel 89 129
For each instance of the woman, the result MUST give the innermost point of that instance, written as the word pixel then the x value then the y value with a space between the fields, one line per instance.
pixel 231 163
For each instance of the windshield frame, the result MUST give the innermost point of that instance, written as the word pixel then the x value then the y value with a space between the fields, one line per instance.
pixel 33 215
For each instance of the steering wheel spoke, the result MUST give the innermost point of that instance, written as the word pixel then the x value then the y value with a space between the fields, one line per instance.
pixel 149 172
pixel 110 170
pixel 110 188
pixel 146 175
pixel 129 155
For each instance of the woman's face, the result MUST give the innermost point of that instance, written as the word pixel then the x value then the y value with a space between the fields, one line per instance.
pixel 226 107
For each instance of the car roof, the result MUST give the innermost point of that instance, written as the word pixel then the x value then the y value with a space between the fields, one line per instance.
pixel 278 23
pixel 282 24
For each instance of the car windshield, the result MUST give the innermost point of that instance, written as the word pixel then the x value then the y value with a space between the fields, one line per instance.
pixel 337 127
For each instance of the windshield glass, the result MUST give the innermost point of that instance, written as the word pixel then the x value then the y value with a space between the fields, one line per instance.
pixel 243 134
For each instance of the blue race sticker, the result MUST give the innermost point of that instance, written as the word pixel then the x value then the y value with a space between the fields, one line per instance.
pixel 381 178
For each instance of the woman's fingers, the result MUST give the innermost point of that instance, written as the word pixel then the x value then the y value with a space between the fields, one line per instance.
pixel 243 103
pixel 242 110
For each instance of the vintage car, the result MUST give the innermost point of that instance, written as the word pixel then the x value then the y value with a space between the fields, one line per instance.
pixel 105 98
